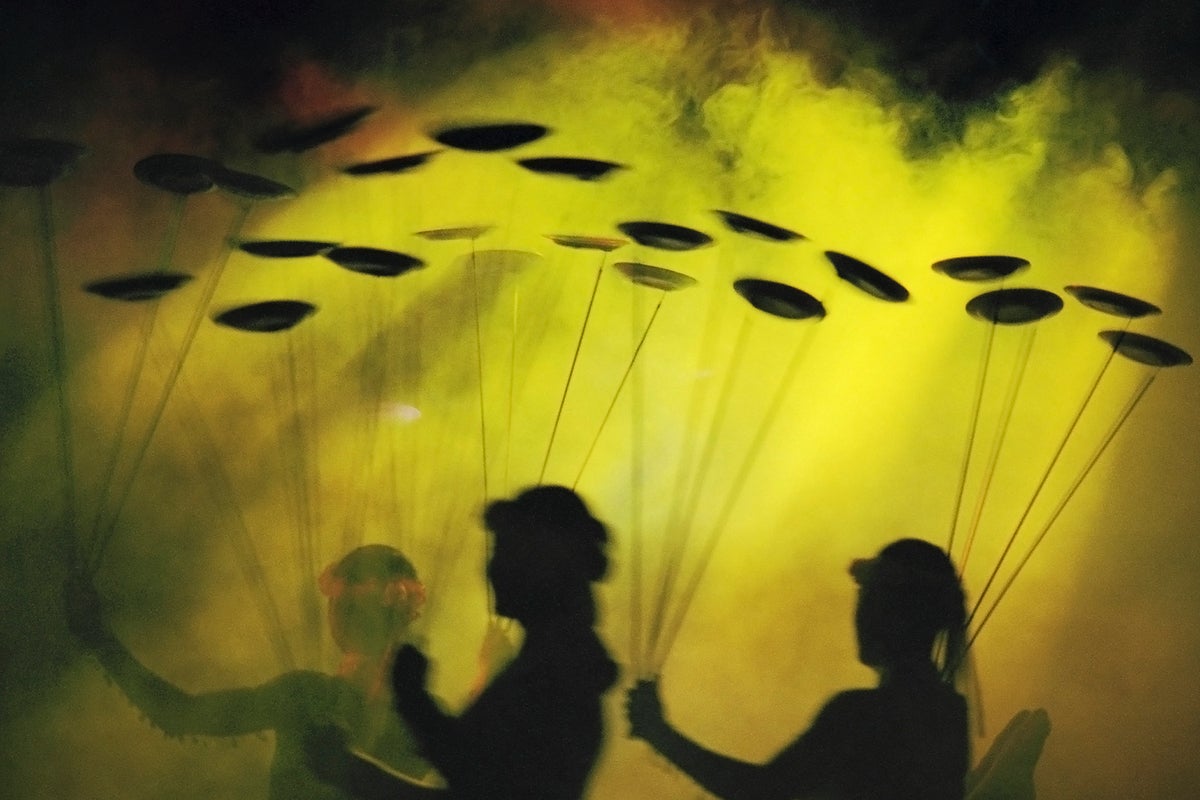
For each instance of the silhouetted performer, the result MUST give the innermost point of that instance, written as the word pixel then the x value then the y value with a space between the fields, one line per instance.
pixel 535 731
pixel 374 595
pixel 904 740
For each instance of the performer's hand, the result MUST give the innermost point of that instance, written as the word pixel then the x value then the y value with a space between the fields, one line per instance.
pixel 644 708
pixel 327 753
pixel 410 669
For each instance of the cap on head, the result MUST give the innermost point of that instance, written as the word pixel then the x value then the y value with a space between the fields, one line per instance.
pixel 912 562
pixel 560 515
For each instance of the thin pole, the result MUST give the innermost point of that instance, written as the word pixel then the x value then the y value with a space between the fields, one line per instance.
pixel 58 359
pixel 966 463
pixel 636 477
pixel 103 537
pixel 1042 483
pixel 718 421
pixel 479 367
pixel 1091 462
pixel 989 471
pixel 307 527
pixel 676 536
pixel 677 544
pixel 139 364
pixel 512 386
pixel 571 372
pixel 639 340
pixel 222 488
pixel 791 372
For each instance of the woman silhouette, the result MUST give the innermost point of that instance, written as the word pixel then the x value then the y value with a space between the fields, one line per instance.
pixel 374 595
pixel 535 731
pixel 906 739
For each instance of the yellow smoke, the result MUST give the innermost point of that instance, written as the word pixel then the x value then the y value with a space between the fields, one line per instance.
pixel 868 445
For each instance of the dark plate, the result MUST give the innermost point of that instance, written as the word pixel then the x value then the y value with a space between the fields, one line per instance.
pixel 1014 306
pixel 665 236
pixel 980 268
pixel 749 226
pixel 374 261
pixel 390 166
pixel 293 138
pixel 667 280
pixel 865 277
pixel 251 187
pixel 286 248
pixel 491 137
pixel 779 299
pixel 177 173
pixel 138 288
pixel 269 316
pixel 583 169
pixel 1146 349
pixel 1114 303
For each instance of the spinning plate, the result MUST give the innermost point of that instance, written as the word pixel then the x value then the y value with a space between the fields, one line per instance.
pixel 269 316
pixel 665 236
pixel 490 138
pixel 976 269
pixel 1146 349
pixel 251 187
pixel 390 166
pixel 374 261
pixel 779 299
pixel 584 169
pixel 749 226
pixel 293 138
pixel 666 280
pixel 286 248
pixel 1114 303
pixel 177 173
pixel 1014 306
pixel 455 234
pixel 136 288
pixel 865 277
pixel 604 243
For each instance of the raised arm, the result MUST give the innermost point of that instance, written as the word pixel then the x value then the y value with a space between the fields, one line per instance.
pixel 169 708
pixel 719 774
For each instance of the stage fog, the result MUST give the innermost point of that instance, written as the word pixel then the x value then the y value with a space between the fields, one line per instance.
pixel 763 306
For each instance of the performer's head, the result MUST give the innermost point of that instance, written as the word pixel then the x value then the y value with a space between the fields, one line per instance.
pixel 547 550
pixel 374 595
pixel 909 596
